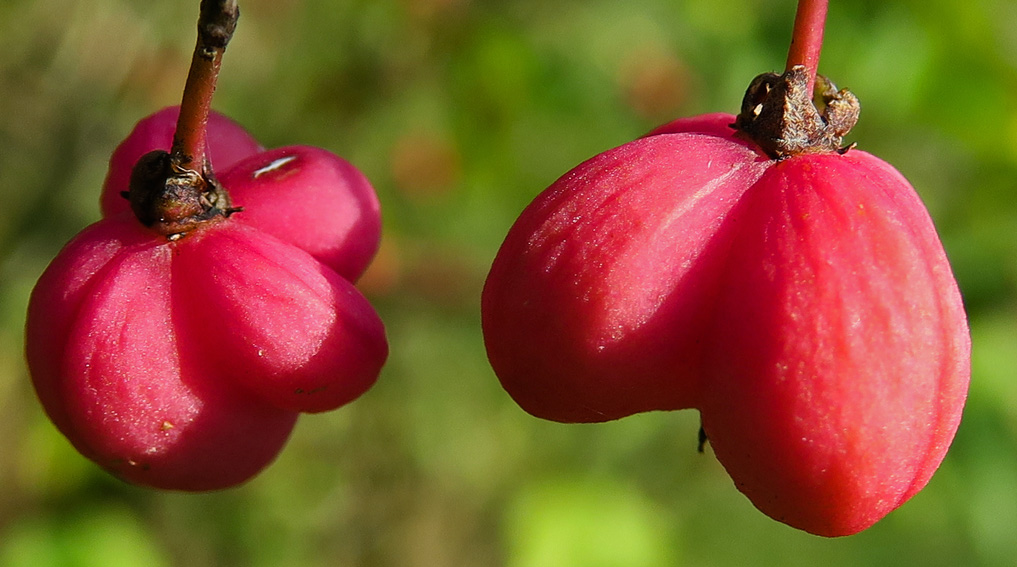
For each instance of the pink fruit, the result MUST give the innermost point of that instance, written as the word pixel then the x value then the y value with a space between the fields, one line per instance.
pixel 177 345
pixel 802 302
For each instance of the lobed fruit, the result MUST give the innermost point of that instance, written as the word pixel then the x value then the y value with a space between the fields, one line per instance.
pixel 804 305
pixel 183 362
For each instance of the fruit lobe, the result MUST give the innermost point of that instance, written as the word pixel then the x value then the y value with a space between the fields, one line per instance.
pixel 592 306
pixel 804 305
pixel 838 354
pixel 287 327
pixel 312 199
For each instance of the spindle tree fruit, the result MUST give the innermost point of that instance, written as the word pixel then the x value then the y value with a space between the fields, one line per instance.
pixel 175 341
pixel 791 288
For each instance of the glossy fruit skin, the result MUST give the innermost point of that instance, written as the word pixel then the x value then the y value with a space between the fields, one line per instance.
pixel 312 199
pixel 183 363
pixel 805 306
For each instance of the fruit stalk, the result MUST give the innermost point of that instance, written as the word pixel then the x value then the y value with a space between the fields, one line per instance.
pixel 216 24
pixel 807 38
pixel 175 192
pixel 784 114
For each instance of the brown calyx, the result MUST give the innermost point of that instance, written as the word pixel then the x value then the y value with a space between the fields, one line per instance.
pixel 779 115
pixel 174 200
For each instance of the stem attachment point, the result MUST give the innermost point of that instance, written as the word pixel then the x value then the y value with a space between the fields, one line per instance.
pixel 172 200
pixel 780 116
pixel 175 192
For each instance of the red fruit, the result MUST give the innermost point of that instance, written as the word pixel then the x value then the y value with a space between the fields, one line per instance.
pixel 175 346
pixel 804 305
pixel 182 364
pixel 228 143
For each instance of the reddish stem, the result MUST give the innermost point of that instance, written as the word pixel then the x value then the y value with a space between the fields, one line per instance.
pixel 216 23
pixel 807 38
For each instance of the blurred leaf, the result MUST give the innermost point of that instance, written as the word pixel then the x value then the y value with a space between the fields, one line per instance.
pixel 573 523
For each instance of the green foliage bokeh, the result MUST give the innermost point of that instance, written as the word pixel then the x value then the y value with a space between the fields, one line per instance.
pixel 460 112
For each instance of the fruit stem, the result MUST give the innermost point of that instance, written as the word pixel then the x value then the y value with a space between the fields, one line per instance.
pixel 216 23
pixel 784 114
pixel 807 38
pixel 175 192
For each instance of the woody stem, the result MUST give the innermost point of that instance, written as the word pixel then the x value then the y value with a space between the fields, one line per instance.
pixel 216 23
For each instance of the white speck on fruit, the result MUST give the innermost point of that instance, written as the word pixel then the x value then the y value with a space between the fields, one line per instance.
pixel 274 165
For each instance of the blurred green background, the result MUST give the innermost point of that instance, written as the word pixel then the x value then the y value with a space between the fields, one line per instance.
pixel 461 111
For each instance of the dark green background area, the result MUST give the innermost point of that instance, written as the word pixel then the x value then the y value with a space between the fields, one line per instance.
pixel 460 112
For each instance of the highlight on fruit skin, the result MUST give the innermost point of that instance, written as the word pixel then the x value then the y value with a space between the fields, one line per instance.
pixel 303 195
pixel 804 305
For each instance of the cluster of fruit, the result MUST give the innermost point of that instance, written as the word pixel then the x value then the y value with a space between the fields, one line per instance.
pixel 791 289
